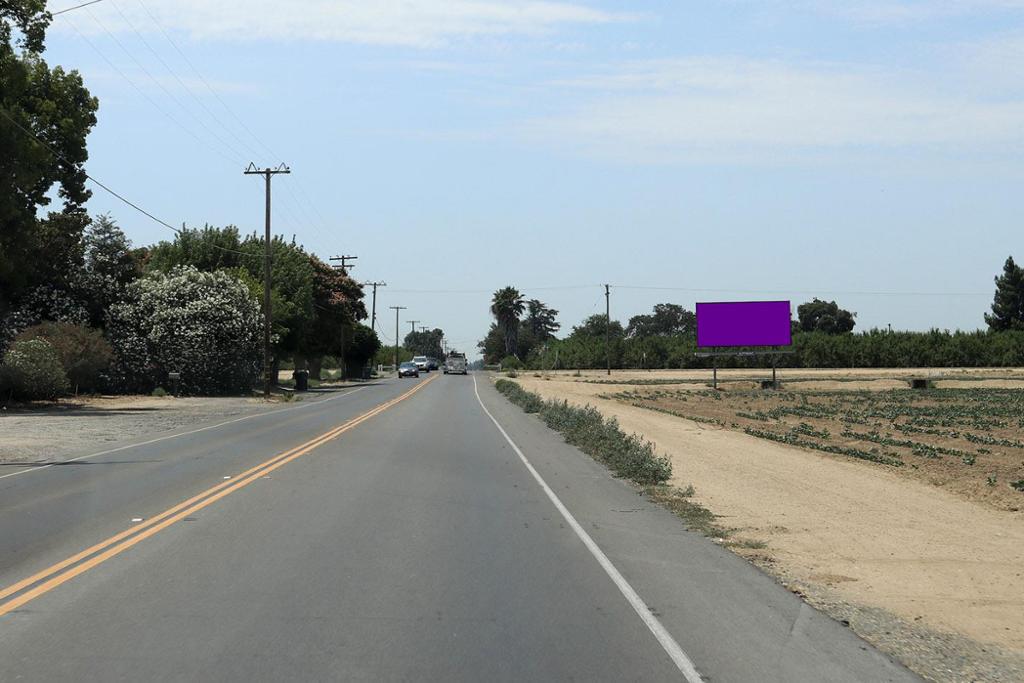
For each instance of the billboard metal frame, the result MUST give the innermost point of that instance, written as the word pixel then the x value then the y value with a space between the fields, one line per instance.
pixel 714 354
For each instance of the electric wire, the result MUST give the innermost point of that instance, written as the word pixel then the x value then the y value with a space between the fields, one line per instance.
pixel 107 188
pixel 236 159
pixel 822 292
pixel 259 141
pixel 68 9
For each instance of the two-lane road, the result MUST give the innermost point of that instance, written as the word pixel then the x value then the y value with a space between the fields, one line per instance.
pixel 414 530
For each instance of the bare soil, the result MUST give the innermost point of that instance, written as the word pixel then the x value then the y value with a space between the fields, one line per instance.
pixel 52 431
pixel 934 549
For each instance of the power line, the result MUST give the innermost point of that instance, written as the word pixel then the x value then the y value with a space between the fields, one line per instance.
pixel 237 157
pixel 177 78
pixel 301 200
pixel 141 92
pixel 801 291
pixel 68 9
pixel 103 186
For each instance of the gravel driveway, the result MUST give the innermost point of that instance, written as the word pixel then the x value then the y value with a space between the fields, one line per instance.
pixel 52 433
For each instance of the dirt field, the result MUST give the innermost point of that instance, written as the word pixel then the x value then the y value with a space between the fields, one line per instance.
pixel 916 558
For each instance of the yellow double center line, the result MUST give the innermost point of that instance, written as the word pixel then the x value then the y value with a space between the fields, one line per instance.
pixel 65 570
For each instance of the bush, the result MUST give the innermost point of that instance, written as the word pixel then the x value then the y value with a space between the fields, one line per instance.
pixel 32 371
pixel 159 392
pixel 511 363
pixel 83 352
pixel 627 455
pixel 206 326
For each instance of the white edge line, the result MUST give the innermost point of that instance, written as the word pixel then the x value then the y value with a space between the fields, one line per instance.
pixel 671 647
pixel 30 468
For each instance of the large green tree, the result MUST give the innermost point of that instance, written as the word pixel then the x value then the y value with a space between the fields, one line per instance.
pixel 506 307
pixel 1008 304
pixel 46 114
pixel 667 319
pixel 425 343
pixel 824 316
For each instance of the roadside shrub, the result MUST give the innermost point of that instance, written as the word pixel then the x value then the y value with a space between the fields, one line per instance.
pixel 511 363
pixel 32 371
pixel 159 392
pixel 628 455
pixel 83 352
pixel 206 326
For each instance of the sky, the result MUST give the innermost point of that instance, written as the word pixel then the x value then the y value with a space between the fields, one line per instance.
pixel 863 151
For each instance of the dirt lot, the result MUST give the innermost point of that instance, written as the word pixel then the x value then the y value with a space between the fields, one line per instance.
pixel 48 432
pixel 927 562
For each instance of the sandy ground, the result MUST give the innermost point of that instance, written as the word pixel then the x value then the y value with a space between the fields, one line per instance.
pixel 45 433
pixel 850 529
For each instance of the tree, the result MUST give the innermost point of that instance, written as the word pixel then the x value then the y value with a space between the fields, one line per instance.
pixel 32 370
pixel 83 352
pixel 207 248
pixel 425 343
pixel 667 320
pixel 1008 303
pixel 363 344
pixel 337 306
pixel 541 320
pixel 109 265
pixel 47 114
pixel 205 326
pixel 492 347
pixel 506 306
pixel 825 316
pixel 595 327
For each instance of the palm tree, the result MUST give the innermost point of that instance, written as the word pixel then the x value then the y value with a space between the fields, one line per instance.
pixel 507 305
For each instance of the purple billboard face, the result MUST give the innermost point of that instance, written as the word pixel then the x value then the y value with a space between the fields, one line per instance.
pixel 744 323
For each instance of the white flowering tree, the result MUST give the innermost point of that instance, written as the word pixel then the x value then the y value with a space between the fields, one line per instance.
pixel 206 326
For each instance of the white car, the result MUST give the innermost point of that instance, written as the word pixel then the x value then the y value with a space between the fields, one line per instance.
pixel 422 362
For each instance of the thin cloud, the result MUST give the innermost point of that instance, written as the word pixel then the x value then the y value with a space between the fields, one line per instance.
pixel 748 109
pixel 901 11
pixel 412 23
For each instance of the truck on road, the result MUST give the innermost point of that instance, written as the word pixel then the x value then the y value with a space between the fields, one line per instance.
pixel 455 364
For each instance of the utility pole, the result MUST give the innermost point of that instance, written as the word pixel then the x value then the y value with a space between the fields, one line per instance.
pixel 608 327
pixel 267 173
pixel 397 309
pixel 413 323
pixel 373 315
pixel 344 267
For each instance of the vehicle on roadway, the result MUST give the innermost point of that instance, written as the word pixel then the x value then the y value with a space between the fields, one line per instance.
pixel 422 362
pixel 433 363
pixel 408 369
pixel 455 364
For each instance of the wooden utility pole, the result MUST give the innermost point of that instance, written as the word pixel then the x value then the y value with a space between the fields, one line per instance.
pixel 608 327
pixel 373 314
pixel 345 266
pixel 267 173
pixel 397 309
pixel 413 323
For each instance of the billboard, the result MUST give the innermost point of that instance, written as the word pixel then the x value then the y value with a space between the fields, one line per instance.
pixel 743 323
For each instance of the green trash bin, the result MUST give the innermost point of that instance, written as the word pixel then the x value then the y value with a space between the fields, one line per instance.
pixel 301 378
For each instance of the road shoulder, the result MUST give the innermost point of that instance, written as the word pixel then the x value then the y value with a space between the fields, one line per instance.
pixel 735 622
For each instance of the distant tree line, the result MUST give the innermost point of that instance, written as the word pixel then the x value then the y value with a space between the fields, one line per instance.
pixel 822 337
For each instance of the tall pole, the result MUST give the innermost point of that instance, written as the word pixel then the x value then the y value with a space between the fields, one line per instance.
pixel 397 309
pixel 345 265
pixel 608 327
pixel 413 323
pixel 373 314
pixel 267 173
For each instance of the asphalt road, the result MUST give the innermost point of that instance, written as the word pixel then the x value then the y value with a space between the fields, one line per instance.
pixel 393 532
